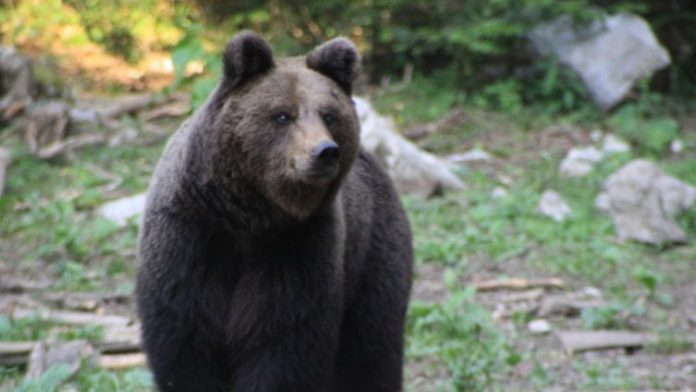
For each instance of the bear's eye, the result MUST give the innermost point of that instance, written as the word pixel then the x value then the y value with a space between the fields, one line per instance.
pixel 282 118
pixel 328 119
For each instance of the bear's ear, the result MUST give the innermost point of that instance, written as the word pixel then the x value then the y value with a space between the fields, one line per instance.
pixel 338 59
pixel 245 56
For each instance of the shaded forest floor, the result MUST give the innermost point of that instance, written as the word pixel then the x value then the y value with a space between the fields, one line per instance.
pixel 53 244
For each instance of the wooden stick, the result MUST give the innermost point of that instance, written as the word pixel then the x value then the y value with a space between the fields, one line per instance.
pixel 518 284
pixel 60 146
pixel 72 318
pixel 577 341
pixel 450 119
pixel 11 348
pixel 122 361
pixel 18 353
pixel 16 287
pixel 5 160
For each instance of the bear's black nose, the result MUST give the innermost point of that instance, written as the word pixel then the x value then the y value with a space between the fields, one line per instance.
pixel 326 153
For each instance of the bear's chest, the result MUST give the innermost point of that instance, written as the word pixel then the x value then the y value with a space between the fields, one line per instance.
pixel 263 290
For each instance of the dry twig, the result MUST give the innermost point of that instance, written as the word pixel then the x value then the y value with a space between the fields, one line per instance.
pixel 518 284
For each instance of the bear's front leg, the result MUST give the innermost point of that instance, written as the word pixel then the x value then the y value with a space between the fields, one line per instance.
pixel 180 334
pixel 181 356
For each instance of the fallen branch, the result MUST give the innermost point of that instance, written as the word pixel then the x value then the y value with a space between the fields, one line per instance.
pixel 18 353
pixel 61 146
pixel 12 348
pixel 578 341
pixel 17 287
pixel 82 301
pixel 178 108
pixel 107 347
pixel 450 119
pixel 518 284
pixel 37 361
pixel 532 295
pixel 73 318
pixel 15 353
pixel 5 160
pixel 121 361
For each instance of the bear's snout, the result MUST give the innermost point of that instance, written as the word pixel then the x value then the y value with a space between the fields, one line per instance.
pixel 326 153
pixel 324 160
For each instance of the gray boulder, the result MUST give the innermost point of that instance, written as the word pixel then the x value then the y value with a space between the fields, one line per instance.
pixel 609 55
pixel 643 201
pixel 413 170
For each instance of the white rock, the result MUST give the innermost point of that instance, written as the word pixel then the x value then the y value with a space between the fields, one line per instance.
pixel 539 326
pixel 676 146
pixel 552 204
pixel 580 161
pixel 412 169
pixel 499 192
pixel 592 292
pixel 596 135
pixel 475 154
pixel 643 202
pixel 609 55
pixel 613 144
pixel 121 210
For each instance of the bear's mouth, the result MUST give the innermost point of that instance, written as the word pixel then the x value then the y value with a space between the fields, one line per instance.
pixel 320 174
pixel 315 172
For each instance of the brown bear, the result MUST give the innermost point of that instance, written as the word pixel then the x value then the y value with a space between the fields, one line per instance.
pixel 274 253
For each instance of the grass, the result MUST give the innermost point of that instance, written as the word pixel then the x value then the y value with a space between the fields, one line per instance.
pixel 47 218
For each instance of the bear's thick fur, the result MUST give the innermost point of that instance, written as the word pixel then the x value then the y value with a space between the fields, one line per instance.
pixel 274 253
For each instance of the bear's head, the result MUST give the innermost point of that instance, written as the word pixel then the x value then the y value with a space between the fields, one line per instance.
pixel 286 127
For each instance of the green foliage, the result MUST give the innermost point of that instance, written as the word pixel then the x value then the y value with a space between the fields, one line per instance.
pixel 474 226
pixel 613 376
pixel 647 278
pixel 555 88
pixel 651 134
pixel 459 335
pixel 405 102
pixel 504 95
pixel 100 380
pixel 669 343
pixel 614 316
pixel 190 50
pixel 50 381
pixel 26 328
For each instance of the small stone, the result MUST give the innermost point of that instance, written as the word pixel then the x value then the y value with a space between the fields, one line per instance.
pixel 120 210
pixel 580 161
pixel 499 192
pixel 596 135
pixel 613 145
pixel 592 292
pixel 475 154
pixel 552 204
pixel 676 146
pixel 539 326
